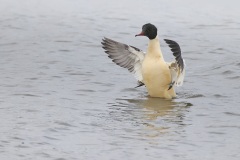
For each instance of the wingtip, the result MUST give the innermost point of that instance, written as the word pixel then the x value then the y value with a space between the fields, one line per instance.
pixel 139 84
pixel 168 41
pixel 170 87
pixel 105 39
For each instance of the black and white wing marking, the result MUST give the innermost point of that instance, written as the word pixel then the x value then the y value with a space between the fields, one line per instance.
pixel 125 56
pixel 177 68
pixel 175 48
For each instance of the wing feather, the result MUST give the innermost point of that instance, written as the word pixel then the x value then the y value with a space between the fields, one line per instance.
pixel 177 68
pixel 125 56
pixel 175 48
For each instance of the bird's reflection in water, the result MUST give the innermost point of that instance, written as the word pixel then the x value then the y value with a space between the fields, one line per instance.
pixel 157 107
pixel 158 115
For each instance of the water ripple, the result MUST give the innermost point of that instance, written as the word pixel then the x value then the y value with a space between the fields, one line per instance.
pixel 51 138
pixel 27 95
pixel 8 44
pixel 232 114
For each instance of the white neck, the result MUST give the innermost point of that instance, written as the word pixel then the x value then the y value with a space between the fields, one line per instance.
pixel 154 48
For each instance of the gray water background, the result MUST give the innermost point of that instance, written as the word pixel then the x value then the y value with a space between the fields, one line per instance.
pixel 61 98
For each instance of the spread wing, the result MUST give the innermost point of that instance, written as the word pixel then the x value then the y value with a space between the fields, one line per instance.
pixel 177 68
pixel 125 56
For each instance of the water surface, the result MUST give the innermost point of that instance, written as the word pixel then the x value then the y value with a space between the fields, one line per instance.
pixel 61 98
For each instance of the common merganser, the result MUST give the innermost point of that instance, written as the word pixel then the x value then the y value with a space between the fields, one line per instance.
pixel 149 69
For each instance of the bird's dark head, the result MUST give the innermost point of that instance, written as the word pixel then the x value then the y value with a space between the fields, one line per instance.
pixel 148 30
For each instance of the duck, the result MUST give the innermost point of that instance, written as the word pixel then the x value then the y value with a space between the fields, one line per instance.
pixel 149 68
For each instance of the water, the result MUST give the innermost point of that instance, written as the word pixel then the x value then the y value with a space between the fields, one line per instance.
pixel 61 98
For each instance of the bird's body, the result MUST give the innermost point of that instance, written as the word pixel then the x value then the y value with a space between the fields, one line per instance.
pixel 150 70
pixel 156 73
